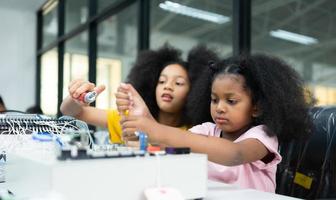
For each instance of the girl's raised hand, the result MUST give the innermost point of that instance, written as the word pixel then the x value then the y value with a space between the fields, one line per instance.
pixel 129 102
pixel 134 111
pixel 78 87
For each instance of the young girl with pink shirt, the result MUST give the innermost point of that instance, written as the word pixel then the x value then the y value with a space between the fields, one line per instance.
pixel 256 101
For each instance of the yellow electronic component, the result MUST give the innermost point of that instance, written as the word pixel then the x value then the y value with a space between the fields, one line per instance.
pixel 126 112
pixel 303 180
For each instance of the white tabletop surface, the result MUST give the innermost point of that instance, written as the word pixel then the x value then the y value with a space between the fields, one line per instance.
pixel 218 191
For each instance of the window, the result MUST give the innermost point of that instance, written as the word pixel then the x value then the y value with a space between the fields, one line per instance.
pixel 117 48
pixel 103 4
pixel 113 38
pixel 186 23
pixel 50 22
pixel 76 13
pixel 302 33
pixel 76 63
pixel 49 82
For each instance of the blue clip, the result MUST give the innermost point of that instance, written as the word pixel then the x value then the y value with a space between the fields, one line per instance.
pixel 143 139
pixel 42 136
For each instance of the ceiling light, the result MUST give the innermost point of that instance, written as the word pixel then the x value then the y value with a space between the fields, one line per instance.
pixel 193 12
pixel 293 37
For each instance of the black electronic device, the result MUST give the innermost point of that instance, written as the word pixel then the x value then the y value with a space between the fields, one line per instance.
pixel 177 150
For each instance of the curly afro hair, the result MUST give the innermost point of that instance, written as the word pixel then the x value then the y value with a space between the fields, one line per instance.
pixel 198 104
pixel 276 89
pixel 145 73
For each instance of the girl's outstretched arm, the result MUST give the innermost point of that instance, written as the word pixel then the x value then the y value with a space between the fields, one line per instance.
pixel 219 150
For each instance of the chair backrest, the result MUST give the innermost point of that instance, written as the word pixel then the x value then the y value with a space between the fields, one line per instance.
pixel 308 167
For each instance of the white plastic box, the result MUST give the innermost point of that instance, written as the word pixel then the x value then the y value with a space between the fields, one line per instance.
pixel 114 178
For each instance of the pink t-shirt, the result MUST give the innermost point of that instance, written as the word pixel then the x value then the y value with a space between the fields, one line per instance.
pixel 255 175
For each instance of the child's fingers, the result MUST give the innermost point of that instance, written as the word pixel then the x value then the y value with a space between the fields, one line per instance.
pixel 132 91
pixel 85 87
pixel 129 123
pixel 123 109
pixel 123 105
pixel 126 89
pixel 74 85
pixel 123 88
pixel 73 82
pixel 131 137
pixel 99 89
pixel 125 121
pixel 128 132
pixel 121 95
pixel 123 102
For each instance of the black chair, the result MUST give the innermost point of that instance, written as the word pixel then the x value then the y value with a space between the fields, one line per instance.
pixel 308 168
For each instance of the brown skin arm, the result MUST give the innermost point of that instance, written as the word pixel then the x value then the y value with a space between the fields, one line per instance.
pixel 88 114
pixel 219 150
pixel 72 106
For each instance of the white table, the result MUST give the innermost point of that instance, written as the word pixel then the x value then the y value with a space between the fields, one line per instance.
pixel 216 191
pixel 219 191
